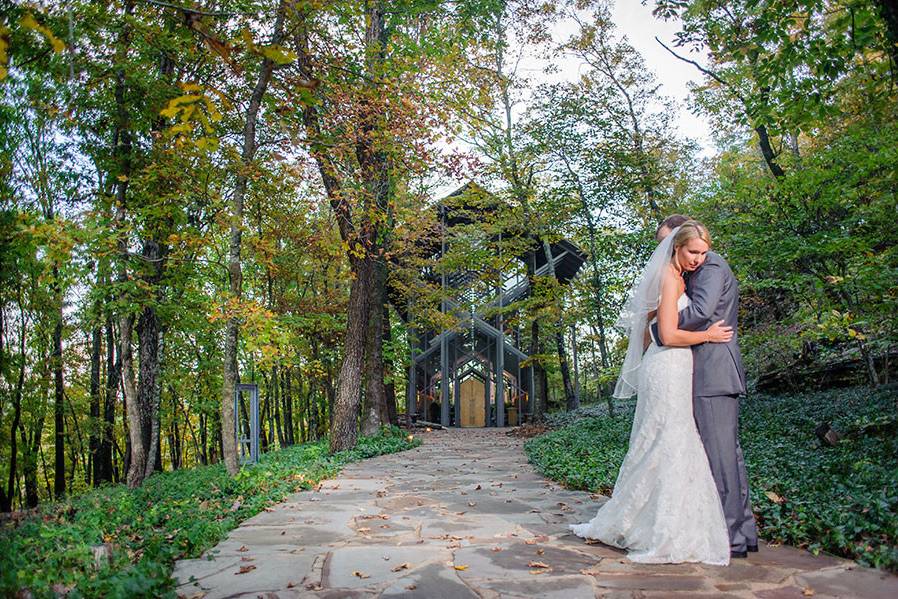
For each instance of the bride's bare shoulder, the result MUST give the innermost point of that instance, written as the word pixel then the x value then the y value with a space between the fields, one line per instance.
pixel 673 281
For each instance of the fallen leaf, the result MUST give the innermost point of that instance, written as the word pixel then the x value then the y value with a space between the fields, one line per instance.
pixel 464 567
pixel 808 592
pixel 243 548
pixel 245 569
pixel 540 551
pixel 402 566
pixel 774 497
pixel 534 564
pixel 540 571
pixel 497 548
pixel 360 574
pixel 411 587
pixel 363 530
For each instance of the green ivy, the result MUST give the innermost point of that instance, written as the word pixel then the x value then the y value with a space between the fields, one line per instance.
pixel 841 500
pixel 174 515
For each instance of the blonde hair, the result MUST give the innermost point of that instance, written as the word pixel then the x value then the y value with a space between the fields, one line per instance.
pixel 691 229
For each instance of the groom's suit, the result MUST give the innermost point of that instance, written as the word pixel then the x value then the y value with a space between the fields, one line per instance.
pixel 718 381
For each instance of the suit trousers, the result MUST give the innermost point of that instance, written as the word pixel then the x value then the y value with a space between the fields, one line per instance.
pixel 717 419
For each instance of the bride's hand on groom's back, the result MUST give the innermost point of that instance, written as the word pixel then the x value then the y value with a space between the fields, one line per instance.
pixel 719 332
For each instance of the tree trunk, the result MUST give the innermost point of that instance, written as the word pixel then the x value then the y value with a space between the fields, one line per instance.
pixel 345 416
pixel 376 413
pixel 96 425
pixel 58 401
pixel 388 369
pixel 6 499
pixel 768 153
pixel 113 374
pixel 138 450
pixel 287 395
pixel 149 339
pixel 229 442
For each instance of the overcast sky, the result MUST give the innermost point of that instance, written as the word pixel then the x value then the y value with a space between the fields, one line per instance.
pixel 636 22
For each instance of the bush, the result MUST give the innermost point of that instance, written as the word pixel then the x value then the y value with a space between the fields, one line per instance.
pixel 173 515
pixel 842 500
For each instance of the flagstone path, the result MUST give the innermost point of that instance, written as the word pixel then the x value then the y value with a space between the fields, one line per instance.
pixel 465 515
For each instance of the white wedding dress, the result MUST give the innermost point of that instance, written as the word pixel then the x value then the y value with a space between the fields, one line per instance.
pixel 665 507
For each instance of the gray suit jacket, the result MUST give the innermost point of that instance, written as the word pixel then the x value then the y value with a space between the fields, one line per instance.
pixel 714 294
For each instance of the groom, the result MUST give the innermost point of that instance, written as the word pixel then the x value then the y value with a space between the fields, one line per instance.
pixel 717 382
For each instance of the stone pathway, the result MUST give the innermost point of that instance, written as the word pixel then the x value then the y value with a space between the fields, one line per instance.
pixel 465 515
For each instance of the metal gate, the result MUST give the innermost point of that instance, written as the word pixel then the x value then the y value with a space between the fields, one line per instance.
pixel 246 424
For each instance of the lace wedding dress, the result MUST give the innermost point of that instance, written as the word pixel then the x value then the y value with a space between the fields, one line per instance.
pixel 665 507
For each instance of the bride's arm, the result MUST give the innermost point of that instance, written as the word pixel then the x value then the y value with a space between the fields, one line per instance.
pixel 668 316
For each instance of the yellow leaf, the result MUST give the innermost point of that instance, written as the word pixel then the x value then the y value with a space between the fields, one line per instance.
pixel 278 54
pixel 122 178
pixel 170 112
pixel 248 40
pixel 28 22
pixel 465 567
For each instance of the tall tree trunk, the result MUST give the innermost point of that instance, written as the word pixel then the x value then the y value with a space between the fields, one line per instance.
pixel 229 442
pixel 366 235
pixel 594 263
pixel 107 430
pixel 6 499
pixel 59 486
pixel 388 369
pixel 96 424
pixel 138 451
pixel 376 412
pixel 287 395
pixel 344 427
pixel 276 397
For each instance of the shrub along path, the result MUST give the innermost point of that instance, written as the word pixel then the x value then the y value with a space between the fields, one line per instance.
pixel 465 515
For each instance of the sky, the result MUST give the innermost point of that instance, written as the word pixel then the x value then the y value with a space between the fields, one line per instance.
pixel 634 21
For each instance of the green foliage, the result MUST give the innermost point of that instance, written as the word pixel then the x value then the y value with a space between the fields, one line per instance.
pixel 840 500
pixel 826 272
pixel 173 515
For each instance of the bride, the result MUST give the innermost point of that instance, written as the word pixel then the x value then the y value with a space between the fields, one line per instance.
pixel 665 507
